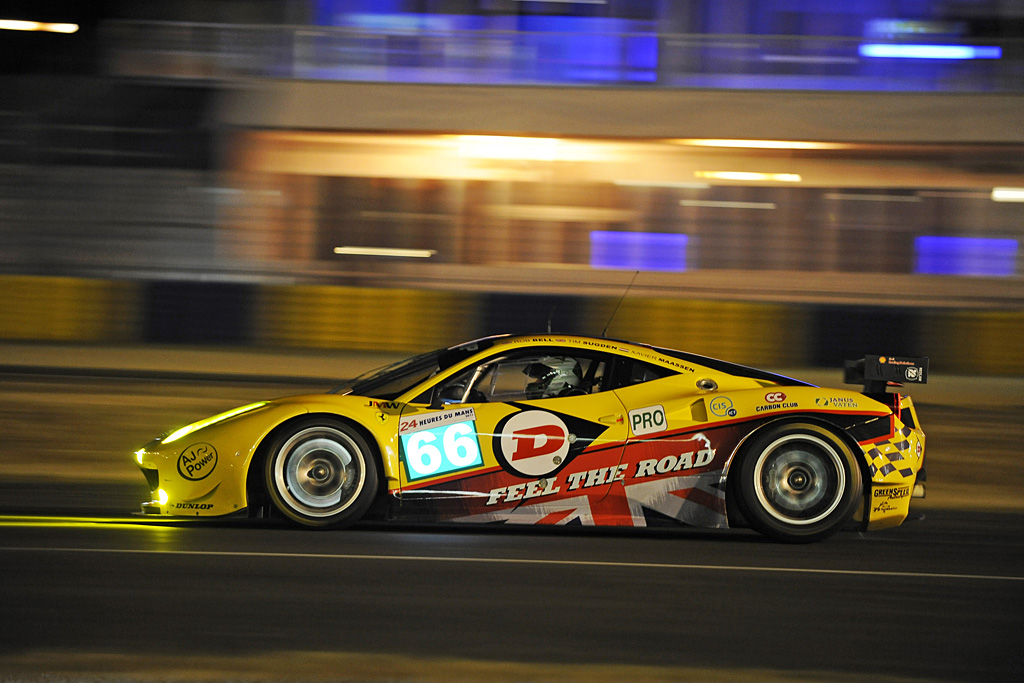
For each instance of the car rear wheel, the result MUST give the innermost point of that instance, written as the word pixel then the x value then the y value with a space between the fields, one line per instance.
pixel 798 483
pixel 321 473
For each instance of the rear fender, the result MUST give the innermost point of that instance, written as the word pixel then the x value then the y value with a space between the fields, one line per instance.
pixel 733 511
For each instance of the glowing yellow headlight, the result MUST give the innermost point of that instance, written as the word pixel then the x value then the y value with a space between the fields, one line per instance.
pixel 196 426
pixel 139 454
pixel 163 496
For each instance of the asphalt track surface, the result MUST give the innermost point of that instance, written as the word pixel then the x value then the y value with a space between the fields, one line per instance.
pixel 941 598
pixel 90 592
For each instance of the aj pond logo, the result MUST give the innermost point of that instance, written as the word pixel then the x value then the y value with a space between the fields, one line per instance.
pixel 197 461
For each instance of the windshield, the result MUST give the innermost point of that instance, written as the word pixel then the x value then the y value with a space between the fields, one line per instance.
pixel 391 381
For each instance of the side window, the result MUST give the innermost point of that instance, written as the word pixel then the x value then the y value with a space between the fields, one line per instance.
pixel 548 376
pixel 537 375
pixel 630 372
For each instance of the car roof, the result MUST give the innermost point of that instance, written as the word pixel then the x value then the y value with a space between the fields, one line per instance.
pixel 680 360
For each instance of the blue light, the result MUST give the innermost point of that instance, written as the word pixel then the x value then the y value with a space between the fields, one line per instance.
pixel 904 51
pixel 973 256
pixel 638 250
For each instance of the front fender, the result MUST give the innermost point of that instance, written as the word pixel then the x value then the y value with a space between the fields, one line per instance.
pixel 203 472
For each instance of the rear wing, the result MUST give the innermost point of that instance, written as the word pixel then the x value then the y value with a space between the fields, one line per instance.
pixel 878 372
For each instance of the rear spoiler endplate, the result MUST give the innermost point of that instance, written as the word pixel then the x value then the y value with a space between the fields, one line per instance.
pixel 876 372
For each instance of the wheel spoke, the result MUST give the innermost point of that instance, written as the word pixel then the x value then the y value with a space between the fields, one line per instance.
pixel 319 471
pixel 799 479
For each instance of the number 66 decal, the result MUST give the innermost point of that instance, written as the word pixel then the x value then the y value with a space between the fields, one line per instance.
pixel 441 450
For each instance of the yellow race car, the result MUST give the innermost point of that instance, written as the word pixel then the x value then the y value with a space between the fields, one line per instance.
pixel 561 430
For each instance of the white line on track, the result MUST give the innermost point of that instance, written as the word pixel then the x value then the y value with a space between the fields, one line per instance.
pixel 508 560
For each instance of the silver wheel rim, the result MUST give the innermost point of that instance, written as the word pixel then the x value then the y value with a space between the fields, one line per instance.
pixel 319 471
pixel 799 479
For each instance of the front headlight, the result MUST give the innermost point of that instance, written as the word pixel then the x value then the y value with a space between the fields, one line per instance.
pixel 196 426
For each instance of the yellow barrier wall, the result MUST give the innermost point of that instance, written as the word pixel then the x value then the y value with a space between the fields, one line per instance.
pixel 978 342
pixel 39 308
pixel 364 318
pixel 67 309
pixel 748 333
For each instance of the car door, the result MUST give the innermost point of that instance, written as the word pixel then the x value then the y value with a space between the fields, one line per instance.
pixel 530 435
pixel 672 463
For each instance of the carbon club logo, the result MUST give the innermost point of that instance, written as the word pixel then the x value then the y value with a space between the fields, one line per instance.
pixel 775 400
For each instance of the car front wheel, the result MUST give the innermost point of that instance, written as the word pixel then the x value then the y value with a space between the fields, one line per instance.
pixel 798 483
pixel 321 473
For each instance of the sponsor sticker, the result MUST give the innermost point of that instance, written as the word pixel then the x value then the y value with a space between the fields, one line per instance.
pixel 647 420
pixel 891 492
pixel 836 402
pixel 384 405
pixel 721 406
pixel 416 423
pixel 884 506
pixel 440 447
pixel 776 401
pixel 534 443
pixel 197 461
pixel 775 406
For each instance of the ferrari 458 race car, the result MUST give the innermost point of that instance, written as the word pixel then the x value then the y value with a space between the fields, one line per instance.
pixel 560 430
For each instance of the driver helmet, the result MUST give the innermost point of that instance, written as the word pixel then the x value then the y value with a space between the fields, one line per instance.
pixel 554 377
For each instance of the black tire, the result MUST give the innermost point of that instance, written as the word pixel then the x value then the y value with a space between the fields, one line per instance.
pixel 798 482
pixel 321 473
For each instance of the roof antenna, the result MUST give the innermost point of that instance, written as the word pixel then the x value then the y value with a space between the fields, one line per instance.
pixel 551 314
pixel 604 332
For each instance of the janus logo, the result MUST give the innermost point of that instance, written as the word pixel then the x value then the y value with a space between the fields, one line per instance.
pixel 534 443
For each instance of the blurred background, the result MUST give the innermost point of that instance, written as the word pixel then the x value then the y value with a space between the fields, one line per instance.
pixel 205 203
pixel 784 182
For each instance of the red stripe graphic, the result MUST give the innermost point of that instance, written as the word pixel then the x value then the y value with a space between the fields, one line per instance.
pixel 555 517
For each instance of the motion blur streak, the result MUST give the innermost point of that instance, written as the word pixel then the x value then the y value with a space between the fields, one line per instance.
pixel 384 251
pixel 19 25
pixel 520 561
pixel 1008 194
pixel 930 51
pixel 22 521
pixel 762 144
pixel 749 175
